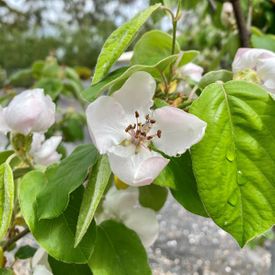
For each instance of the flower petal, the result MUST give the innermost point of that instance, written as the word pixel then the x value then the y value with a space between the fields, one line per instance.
pixel 3 125
pixel 137 169
pixel 137 94
pixel 247 58
pixel 179 130
pixel 192 70
pixel 44 153
pixel 117 200
pixel 106 122
pixel 144 222
pixel 30 111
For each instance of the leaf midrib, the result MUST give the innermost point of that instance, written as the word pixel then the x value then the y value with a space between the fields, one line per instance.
pixel 233 139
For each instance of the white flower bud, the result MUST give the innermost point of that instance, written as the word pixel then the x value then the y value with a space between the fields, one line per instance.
pixel 227 14
pixel 30 111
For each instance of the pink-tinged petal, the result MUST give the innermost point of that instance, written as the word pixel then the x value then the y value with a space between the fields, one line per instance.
pixel 3 125
pixel 137 94
pixel 144 222
pixel 179 130
pixel 266 68
pixel 106 123
pixel 247 58
pixel 192 70
pixel 266 72
pixel 137 169
pixel 30 111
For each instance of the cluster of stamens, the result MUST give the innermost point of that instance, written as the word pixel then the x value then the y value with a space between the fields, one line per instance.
pixel 139 131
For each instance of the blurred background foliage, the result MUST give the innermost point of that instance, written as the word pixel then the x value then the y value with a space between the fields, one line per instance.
pixel 74 30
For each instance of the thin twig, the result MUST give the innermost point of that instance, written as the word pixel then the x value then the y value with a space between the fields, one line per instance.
pixel 243 32
pixel 15 238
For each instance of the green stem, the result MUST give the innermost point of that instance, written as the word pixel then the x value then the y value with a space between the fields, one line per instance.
pixel 175 22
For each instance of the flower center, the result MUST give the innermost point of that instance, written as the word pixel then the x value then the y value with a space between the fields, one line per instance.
pixel 139 132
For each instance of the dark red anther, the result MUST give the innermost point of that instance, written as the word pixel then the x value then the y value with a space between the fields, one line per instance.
pixel 159 133
pixel 152 121
pixel 136 114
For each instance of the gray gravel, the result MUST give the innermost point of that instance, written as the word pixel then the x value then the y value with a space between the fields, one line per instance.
pixel 190 244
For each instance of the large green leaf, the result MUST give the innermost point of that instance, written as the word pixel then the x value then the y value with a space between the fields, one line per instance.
pixel 61 268
pixel 153 47
pixel 56 236
pixel 70 174
pixel 120 75
pixel 118 251
pixel 234 164
pixel 6 198
pixel 118 41
pixel 178 175
pixel 96 186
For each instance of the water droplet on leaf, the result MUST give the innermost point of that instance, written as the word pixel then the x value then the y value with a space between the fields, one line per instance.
pixel 233 199
pixel 241 179
pixel 230 155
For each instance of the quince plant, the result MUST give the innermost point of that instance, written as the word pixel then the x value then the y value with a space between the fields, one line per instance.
pixel 157 125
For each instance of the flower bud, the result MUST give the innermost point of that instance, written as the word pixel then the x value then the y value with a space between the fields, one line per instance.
pixel 227 14
pixel 30 111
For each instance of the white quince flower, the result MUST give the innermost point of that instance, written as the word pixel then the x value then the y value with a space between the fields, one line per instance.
pixel 30 111
pixel 123 126
pixel 123 206
pixel 257 65
pixel 191 70
pixel 44 151
pixel 40 264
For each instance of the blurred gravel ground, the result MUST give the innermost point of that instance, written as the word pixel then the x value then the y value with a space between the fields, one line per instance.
pixel 192 245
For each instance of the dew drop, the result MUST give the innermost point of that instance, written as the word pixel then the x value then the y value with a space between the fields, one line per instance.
pixel 233 199
pixel 241 179
pixel 230 155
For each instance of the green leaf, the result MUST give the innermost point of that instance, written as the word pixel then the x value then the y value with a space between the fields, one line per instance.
pixel 178 175
pixel 25 252
pixel 153 47
pixel 152 196
pixel 4 155
pixel 22 78
pixel 263 41
pixel 122 74
pixel 234 164
pixel 119 41
pixel 214 76
pixel 52 86
pixel 118 251
pixel 61 268
pixel 56 236
pixel 6 271
pixel 6 198
pixel 96 186
pixel 70 174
